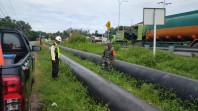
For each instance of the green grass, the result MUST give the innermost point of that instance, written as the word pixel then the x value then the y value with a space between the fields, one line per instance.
pixel 67 92
pixel 184 66
pixel 164 61
pixel 154 94
pixel 87 47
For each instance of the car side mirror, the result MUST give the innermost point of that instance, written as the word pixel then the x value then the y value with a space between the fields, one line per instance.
pixel 36 48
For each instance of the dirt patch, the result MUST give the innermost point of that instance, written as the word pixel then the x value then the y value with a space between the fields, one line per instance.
pixel 36 104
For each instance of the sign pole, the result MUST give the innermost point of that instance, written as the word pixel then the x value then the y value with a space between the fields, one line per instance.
pixel 154 16
pixel 108 35
pixel 108 25
pixel 40 39
pixel 154 39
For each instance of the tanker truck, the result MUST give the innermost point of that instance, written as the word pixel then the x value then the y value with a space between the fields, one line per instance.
pixel 180 30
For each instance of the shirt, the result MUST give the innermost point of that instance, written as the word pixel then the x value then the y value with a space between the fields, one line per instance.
pixel 53 51
pixel 108 54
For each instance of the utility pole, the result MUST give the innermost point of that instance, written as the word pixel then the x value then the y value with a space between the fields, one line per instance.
pixel 40 39
pixel 119 12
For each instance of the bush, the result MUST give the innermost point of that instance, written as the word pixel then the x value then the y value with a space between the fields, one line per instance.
pixel 76 38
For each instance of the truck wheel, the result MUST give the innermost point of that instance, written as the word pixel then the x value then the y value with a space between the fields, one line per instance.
pixel 195 45
pixel 124 43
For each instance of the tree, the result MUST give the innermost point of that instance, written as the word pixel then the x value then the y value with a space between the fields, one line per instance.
pixel 26 28
pixel 32 35
pixel 96 33
pixel 7 23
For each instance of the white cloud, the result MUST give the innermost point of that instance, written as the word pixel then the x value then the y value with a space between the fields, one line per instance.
pixel 54 15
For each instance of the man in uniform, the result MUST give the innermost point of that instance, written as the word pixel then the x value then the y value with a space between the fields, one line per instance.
pixel 55 54
pixel 108 57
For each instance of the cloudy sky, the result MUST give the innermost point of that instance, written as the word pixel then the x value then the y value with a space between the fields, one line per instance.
pixel 59 15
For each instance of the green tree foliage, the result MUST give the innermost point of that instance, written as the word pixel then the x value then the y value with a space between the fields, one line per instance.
pixel 8 23
pixel 96 33
pixel 32 35
pixel 113 30
pixel 66 33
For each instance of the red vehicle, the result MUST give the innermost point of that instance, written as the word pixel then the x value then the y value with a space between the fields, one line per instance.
pixel 16 75
pixel 92 39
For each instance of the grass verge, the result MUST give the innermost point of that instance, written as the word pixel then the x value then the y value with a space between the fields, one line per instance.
pixel 67 92
pixel 154 94
pixel 164 61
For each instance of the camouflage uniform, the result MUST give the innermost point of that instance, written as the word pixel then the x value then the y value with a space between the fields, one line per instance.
pixel 107 58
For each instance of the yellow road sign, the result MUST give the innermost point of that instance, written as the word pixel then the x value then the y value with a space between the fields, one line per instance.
pixel 108 25
pixel 49 35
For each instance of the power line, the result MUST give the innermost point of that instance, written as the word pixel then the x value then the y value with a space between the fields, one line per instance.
pixel 12 8
pixel 3 8
pixel 2 12
pixel 8 7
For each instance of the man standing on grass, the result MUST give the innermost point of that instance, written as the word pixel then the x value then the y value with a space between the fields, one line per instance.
pixel 55 54
pixel 108 57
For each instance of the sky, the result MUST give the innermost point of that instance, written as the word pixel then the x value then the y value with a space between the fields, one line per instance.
pixel 57 15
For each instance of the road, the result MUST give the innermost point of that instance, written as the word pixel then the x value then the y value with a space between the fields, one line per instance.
pixel 32 43
pixel 185 51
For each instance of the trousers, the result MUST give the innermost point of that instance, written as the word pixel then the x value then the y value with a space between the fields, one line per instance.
pixel 55 68
pixel 107 64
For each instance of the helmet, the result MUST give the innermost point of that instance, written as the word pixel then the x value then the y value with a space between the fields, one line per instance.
pixel 58 38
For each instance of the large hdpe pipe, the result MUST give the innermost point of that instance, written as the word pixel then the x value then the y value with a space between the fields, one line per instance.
pixel 117 98
pixel 185 88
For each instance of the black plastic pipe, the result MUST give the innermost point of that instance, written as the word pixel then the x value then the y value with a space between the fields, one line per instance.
pixel 117 98
pixel 185 88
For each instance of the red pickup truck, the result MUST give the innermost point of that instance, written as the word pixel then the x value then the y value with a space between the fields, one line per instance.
pixel 16 75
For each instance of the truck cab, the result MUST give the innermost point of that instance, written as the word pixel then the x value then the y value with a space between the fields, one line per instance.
pixel 123 36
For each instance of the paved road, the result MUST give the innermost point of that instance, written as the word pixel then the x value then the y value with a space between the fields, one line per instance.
pixel 183 53
pixel 32 43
